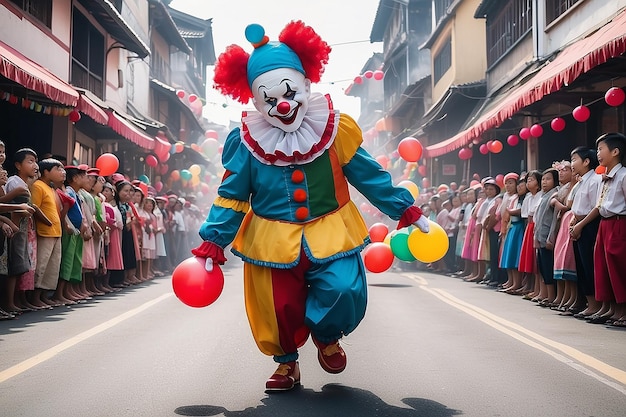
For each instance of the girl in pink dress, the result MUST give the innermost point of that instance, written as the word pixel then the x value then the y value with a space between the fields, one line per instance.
pixel 114 260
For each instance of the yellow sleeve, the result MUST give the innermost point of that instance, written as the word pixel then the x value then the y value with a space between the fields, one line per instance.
pixel 348 139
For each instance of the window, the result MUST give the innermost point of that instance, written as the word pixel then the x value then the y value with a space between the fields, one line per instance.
pixel 506 27
pixel 87 55
pixel 555 8
pixel 39 9
pixel 442 61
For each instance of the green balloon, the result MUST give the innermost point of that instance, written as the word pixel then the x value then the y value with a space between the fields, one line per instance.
pixel 400 246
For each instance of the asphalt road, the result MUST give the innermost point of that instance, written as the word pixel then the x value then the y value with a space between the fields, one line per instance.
pixel 429 346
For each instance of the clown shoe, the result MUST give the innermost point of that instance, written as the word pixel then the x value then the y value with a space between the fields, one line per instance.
pixel 286 377
pixel 331 356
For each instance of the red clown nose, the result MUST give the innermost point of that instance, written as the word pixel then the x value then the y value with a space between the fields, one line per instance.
pixel 283 107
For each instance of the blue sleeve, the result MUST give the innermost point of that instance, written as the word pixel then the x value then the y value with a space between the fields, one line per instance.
pixel 75 214
pixel 367 176
pixel 232 202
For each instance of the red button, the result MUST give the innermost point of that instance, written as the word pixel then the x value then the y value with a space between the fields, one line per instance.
pixel 302 213
pixel 299 195
pixel 297 176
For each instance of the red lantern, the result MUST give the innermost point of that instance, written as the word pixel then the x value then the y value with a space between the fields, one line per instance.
pixel 194 286
pixel 496 146
pixel 410 149
pixel 484 149
pixel 151 161
pixel 378 257
pixel 378 75
pixel 107 163
pixel 422 170
pixel 614 96
pixel 536 130
pixel 358 79
pixel 378 232
pixel 465 153
pixel 192 98
pixel 557 124
pixel 512 140
pixel 74 116
pixel 581 113
pixel 368 74
pixel 524 133
pixel 180 93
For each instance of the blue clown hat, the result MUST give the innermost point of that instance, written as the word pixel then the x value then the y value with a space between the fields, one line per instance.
pixel 267 55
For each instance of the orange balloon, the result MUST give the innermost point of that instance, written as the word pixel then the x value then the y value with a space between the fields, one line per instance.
pixel 107 163
pixel 175 175
pixel 601 170
pixel 410 149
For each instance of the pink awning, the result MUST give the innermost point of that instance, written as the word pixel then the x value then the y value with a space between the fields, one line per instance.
pixel 18 68
pixel 125 128
pixel 91 109
pixel 580 57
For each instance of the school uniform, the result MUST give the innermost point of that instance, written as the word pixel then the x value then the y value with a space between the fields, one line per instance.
pixel 610 249
pixel 585 199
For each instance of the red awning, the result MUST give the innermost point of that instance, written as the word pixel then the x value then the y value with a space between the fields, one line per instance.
pixel 125 128
pixel 33 76
pixel 91 109
pixel 580 57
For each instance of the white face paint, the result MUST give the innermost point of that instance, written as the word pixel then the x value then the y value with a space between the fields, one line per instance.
pixel 282 97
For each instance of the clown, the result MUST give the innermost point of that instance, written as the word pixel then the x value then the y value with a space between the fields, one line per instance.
pixel 284 203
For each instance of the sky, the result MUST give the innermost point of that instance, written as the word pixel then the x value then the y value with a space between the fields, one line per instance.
pixel 344 24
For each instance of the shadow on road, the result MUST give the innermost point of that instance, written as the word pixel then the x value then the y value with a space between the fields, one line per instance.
pixel 333 400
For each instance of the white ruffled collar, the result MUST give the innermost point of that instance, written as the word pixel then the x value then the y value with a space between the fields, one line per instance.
pixel 273 146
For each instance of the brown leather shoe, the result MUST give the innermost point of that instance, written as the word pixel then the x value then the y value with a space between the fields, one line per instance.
pixel 331 356
pixel 285 378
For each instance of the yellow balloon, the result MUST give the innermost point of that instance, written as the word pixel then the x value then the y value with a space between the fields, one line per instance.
pixel 195 169
pixel 387 239
pixel 428 247
pixel 411 186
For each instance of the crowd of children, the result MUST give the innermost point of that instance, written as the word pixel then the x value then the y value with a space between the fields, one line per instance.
pixel 555 237
pixel 68 234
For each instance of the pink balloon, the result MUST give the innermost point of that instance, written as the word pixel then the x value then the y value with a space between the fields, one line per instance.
pixel 368 74
pixel 512 140
pixel 524 133
pixel 378 75
pixel 180 93
pixel 581 113
pixel 536 130
pixel 151 161
pixel 465 153
pixel 557 124
pixel 158 186
pixel 358 79
pixel 483 149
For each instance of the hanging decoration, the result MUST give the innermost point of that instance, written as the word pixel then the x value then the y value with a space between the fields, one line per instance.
pixel 512 140
pixel 524 133
pixel 557 124
pixel 614 96
pixel 465 154
pixel 28 104
pixel 536 130
pixel 581 113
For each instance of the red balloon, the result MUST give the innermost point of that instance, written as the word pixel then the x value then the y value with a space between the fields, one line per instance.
pixel 557 124
pixel 536 130
pixel 378 232
pixel 614 96
pixel 496 146
pixel 512 140
pixel 151 161
pixel 600 169
pixel 194 286
pixel 180 93
pixel 484 149
pixel 465 153
pixel 378 257
pixel 524 133
pixel 192 98
pixel 422 170
pixel 358 79
pixel 410 149
pixel 500 180
pixel 368 74
pixel 581 113
pixel 378 75
pixel 107 163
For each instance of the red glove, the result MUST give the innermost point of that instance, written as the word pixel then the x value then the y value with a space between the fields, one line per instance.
pixel 410 216
pixel 210 250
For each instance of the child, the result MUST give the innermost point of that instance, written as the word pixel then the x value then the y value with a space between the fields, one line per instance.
pixel 527 260
pixel 543 223
pixel 514 235
pixel 18 257
pixel 610 251
pixel 49 233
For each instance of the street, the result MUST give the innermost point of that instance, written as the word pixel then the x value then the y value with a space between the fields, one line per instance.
pixel 429 345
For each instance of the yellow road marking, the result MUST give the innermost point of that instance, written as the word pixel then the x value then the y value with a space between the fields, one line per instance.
pixel 55 350
pixel 517 332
